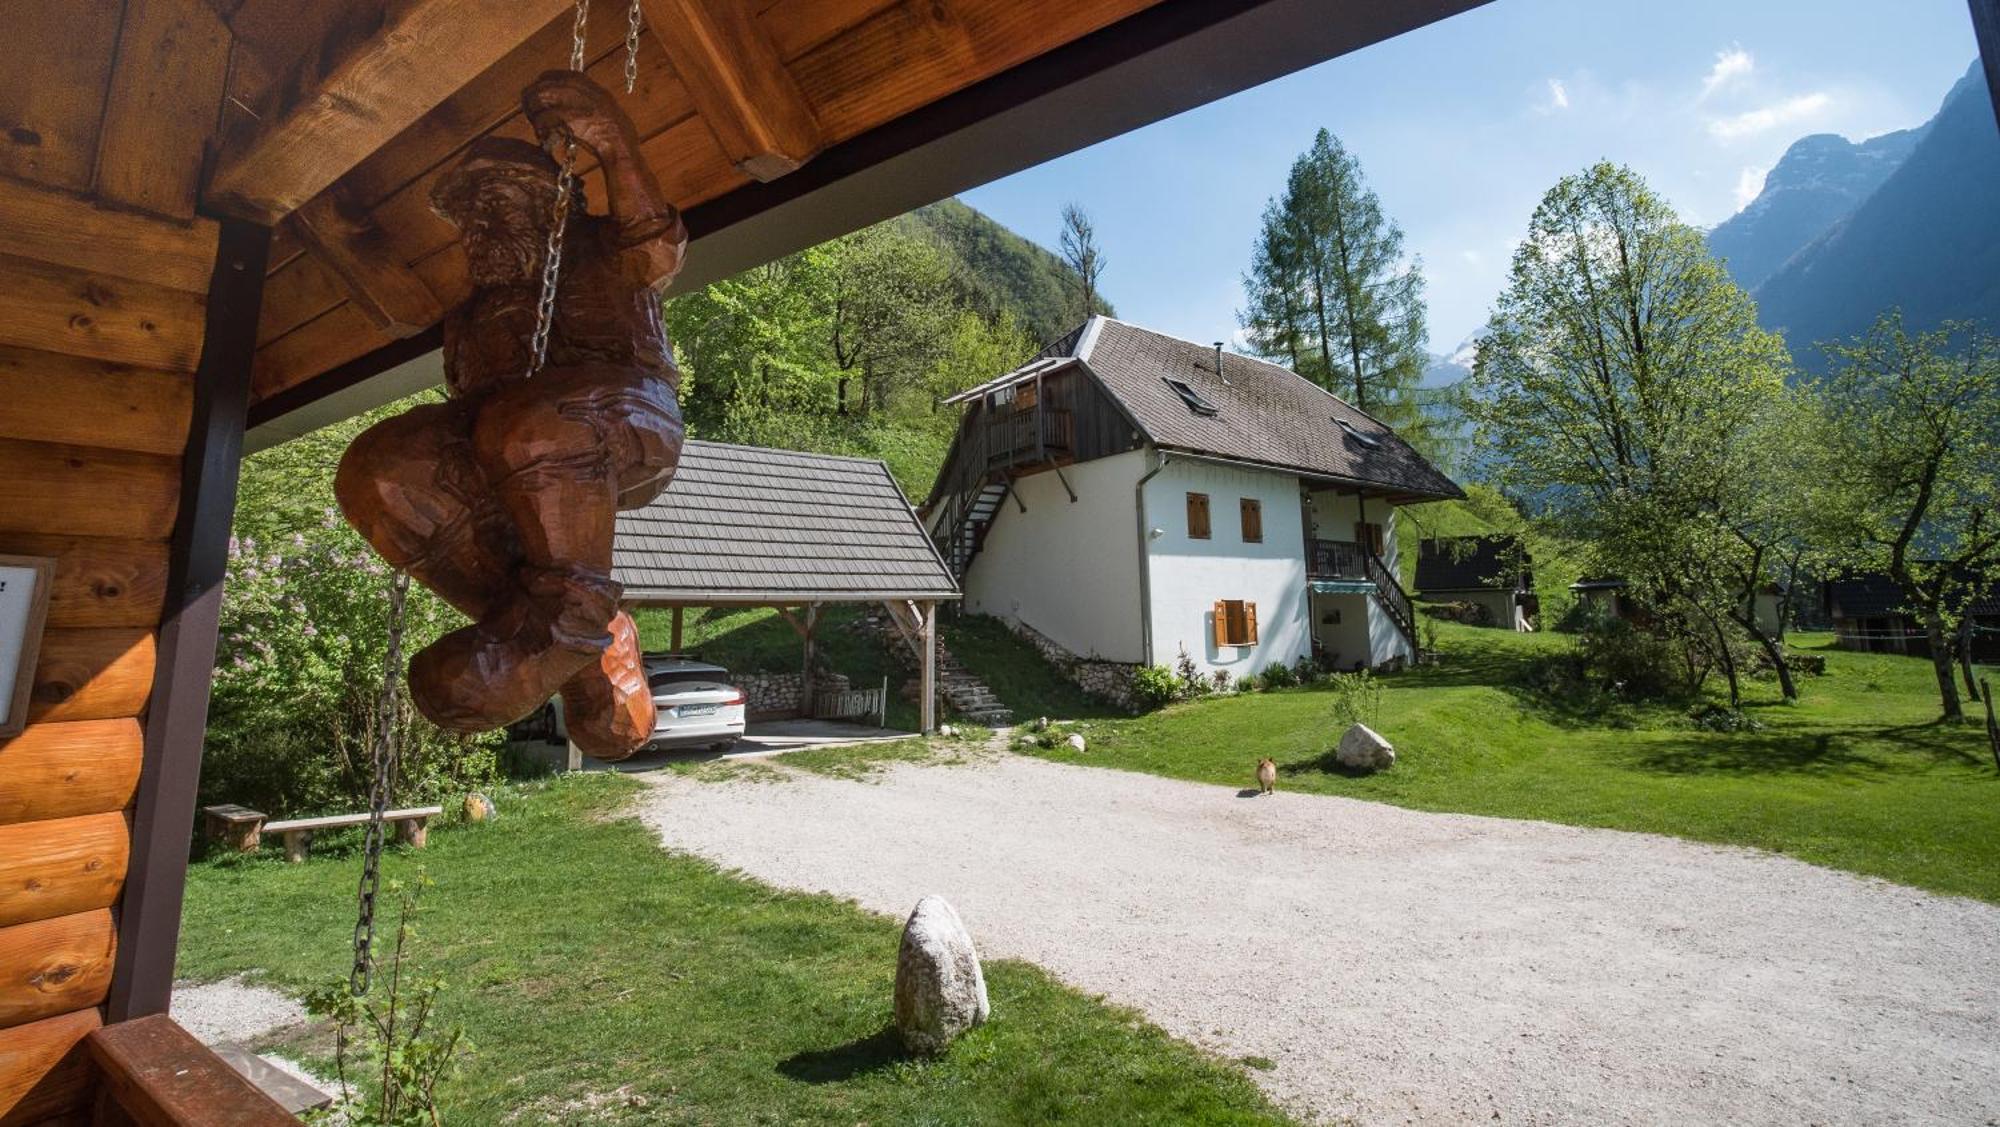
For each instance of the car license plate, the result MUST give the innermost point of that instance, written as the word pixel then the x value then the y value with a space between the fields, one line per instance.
pixel 696 710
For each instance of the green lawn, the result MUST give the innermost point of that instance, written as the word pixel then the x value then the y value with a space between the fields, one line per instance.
pixel 1857 775
pixel 593 970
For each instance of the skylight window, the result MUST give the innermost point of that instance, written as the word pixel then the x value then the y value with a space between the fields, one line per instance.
pixel 1367 440
pixel 1191 397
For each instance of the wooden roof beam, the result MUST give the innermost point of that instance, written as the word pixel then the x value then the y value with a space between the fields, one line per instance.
pixel 337 231
pixel 423 53
pixel 738 83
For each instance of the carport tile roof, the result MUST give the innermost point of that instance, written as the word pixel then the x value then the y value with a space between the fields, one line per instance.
pixel 739 522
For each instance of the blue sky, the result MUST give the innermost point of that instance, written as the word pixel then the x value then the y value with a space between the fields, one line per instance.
pixel 1461 126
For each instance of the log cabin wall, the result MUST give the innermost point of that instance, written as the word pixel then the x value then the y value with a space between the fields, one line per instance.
pixel 105 106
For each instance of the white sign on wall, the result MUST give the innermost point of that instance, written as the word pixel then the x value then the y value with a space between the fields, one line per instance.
pixel 24 601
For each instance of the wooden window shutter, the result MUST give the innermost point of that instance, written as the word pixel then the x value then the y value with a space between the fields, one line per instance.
pixel 1249 634
pixel 1222 622
pixel 1197 516
pixel 1253 520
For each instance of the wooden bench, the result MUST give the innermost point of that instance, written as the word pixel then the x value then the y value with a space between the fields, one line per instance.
pixel 243 829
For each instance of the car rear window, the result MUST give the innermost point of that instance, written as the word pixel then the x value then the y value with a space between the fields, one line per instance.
pixel 666 677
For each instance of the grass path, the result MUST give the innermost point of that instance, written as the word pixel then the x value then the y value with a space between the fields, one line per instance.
pixel 1857 776
pixel 606 981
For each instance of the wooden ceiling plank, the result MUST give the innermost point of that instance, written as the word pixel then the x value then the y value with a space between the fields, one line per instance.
pixel 166 90
pixel 303 289
pixel 919 51
pixel 423 54
pixel 60 230
pixel 52 93
pixel 797 26
pixel 738 82
pixel 340 234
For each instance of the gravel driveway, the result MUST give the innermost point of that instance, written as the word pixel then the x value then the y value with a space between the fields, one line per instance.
pixel 1408 967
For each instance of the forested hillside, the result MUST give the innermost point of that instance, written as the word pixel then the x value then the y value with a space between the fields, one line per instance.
pixel 1001 272
pixel 850 346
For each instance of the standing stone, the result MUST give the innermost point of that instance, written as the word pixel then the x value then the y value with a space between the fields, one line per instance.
pixel 1363 749
pixel 940 991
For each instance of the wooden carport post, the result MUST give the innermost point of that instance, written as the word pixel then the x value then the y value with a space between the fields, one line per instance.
pixel 806 676
pixel 927 666
pixel 675 644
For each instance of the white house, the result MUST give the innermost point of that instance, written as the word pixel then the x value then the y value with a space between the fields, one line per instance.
pixel 1131 496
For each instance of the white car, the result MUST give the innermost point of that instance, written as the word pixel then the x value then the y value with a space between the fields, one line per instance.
pixel 695 707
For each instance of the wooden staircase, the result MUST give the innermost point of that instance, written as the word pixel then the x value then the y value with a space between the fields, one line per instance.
pixel 965 525
pixel 1394 600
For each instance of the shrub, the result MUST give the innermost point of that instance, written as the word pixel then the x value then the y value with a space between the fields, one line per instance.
pixel 1306 670
pixel 1194 683
pixel 1155 686
pixel 1357 699
pixel 1278 675
pixel 394 1031
pixel 1716 718
pixel 1222 679
pixel 1634 663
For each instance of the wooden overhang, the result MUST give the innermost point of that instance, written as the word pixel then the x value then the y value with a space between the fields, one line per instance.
pixel 873 107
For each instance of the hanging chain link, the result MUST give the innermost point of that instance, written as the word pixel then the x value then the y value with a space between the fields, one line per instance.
pixel 381 784
pixel 545 304
pixel 632 46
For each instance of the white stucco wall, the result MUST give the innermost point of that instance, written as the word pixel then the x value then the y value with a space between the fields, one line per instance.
pixel 1189 575
pixel 1068 569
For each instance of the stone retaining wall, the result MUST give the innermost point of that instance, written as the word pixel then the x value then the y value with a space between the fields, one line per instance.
pixel 1106 680
pixel 776 696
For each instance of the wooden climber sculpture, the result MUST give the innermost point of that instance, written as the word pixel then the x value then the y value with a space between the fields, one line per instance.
pixel 561 411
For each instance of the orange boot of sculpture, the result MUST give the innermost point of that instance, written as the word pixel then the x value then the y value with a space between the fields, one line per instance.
pixel 608 707
pixel 496 671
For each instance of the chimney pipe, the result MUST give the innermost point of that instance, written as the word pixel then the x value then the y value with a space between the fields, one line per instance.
pixel 1218 363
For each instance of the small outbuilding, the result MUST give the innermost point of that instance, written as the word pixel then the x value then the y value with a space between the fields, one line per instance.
pixel 746 526
pixel 1490 573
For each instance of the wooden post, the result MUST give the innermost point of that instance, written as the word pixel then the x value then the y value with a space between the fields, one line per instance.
pixel 811 621
pixel 163 811
pixel 675 645
pixel 927 666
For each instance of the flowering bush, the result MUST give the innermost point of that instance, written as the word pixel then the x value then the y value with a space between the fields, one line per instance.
pixel 300 654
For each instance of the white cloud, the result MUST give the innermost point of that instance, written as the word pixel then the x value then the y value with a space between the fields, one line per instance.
pixel 1749 183
pixel 1766 118
pixel 1558 95
pixel 1730 65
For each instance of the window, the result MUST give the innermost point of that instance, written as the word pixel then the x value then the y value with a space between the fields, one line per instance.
pixel 1197 516
pixel 1253 520
pixel 1369 535
pixel 1191 397
pixel 1367 440
pixel 1235 623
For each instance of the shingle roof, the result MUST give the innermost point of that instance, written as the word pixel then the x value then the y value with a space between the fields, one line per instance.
pixel 1265 413
pixel 743 523
pixel 1464 563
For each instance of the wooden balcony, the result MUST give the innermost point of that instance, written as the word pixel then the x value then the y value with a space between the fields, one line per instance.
pixel 1336 559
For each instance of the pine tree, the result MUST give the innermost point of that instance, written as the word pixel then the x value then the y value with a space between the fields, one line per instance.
pixel 1331 292
pixel 1085 259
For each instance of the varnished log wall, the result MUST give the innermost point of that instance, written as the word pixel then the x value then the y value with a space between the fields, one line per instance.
pixel 104 265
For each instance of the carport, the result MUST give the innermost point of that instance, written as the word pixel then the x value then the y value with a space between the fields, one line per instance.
pixel 745 526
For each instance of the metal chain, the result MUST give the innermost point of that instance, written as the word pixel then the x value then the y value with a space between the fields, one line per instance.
pixel 545 304
pixel 381 784
pixel 632 46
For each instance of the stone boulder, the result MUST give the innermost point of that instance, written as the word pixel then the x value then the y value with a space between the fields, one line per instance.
pixel 940 990
pixel 1363 749
pixel 1076 743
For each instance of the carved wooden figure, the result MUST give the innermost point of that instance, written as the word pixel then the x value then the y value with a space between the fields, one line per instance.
pixel 503 498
